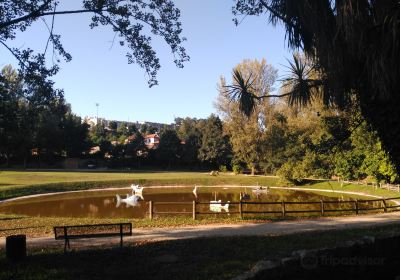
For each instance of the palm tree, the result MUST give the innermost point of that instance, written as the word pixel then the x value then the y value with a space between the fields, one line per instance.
pixel 300 86
pixel 355 45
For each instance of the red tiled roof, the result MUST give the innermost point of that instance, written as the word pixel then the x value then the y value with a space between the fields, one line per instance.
pixel 151 136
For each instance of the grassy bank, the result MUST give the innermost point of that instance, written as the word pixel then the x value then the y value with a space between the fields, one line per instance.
pixel 43 226
pixel 204 258
pixel 15 184
pixel 336 186
pixel 20 183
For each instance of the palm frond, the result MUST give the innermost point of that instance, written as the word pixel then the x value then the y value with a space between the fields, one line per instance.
pixel 302 87
pixel 242 91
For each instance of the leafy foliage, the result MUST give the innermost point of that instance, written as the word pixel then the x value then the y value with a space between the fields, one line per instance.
pixel 131 20
pixel 169 148
pixel 215 148
pixel 34 116
pixel 354 45
pixel 246 133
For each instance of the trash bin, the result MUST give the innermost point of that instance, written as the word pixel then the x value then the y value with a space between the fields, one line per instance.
pixel 16 247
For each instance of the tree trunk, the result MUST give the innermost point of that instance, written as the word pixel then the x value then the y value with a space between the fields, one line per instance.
pixel 7 160
pixel 25 161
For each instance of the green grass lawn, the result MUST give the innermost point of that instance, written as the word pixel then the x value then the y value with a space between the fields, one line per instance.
pixel 332 185
pixel 20 178
pixel 14 184
pixel 18 183
pixel 203 258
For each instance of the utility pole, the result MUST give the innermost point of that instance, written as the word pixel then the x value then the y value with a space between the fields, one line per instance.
pixel 97 113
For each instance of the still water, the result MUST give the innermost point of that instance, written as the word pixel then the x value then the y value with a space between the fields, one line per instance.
pixel 105 204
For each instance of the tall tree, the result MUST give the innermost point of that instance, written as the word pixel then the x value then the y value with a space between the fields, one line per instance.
pixel 190 131
pixel 36 111
pixel 135 145
pixel 246 133
pixel 10 112
pixel 356 47
pixel 76 138
pixel 169 148
pixel 215 148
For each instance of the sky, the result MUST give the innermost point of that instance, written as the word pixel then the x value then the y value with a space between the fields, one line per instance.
pixel 99 71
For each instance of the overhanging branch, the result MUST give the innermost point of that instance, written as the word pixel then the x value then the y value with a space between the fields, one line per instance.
pixel 38 14
pixel 276 14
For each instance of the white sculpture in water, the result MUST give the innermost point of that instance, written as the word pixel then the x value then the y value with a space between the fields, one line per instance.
pixel 216 206
pixel 137 190
pixel 195 191
pixel 132 200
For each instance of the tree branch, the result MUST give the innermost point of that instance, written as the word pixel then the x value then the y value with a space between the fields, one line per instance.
pixel 276 14
pixel 272 95
pixel 32 14
pixel 13 53
pixel 37 14
pixel 50 30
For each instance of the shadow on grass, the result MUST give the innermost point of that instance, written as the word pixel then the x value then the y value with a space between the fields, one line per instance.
pixel 212 258
pixel 202 258
pixel 310 182
pixel 18 228
pixel 10 218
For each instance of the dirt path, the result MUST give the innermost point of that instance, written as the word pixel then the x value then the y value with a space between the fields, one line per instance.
pixel 271 228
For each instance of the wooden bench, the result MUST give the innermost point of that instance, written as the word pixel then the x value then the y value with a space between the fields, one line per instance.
pixel 92 231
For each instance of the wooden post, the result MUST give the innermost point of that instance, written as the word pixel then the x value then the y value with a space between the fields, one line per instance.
pixel 194 210
pixel 66 240
pixel 398 188
pixel 151 210
pixel 283 209
pixel 384 205
pixel 356 206
pixel 322 207
pixel 120 232
pixel 241 209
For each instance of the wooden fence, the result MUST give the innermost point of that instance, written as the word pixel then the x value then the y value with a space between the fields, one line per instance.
pixel 390 187
pixel 357 206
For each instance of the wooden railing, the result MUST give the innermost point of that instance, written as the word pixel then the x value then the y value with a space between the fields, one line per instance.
pixel 390 187
pixel 357 206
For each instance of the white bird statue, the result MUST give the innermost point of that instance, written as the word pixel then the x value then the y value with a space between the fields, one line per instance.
pixel 216 206
pixel 137 190
pixel 195 191
pixel 132 200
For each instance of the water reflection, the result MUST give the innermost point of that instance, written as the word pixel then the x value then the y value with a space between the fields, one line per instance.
pixel 258 191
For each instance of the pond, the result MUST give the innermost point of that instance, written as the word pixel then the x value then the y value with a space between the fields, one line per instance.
pixel 107 204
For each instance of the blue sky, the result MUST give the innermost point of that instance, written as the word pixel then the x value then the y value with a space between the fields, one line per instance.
pixel 100 74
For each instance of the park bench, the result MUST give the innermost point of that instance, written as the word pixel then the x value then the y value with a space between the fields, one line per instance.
pixel 91 231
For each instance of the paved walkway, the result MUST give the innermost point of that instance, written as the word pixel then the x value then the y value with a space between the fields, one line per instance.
pixel 242 229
